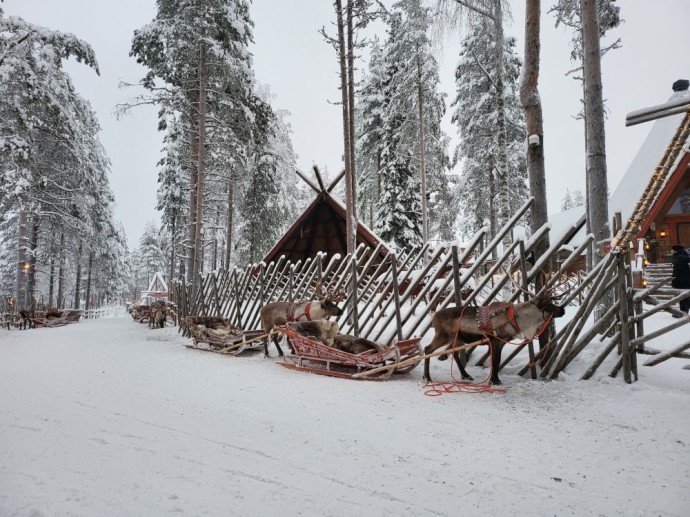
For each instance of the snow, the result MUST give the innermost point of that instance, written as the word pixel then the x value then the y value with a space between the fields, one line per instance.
pixel 108 417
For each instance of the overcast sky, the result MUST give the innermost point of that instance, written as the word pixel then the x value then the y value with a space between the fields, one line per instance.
pixel 300 68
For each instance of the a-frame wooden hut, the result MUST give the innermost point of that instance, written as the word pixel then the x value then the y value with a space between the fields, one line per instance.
pixel 321 228
pixel 158 289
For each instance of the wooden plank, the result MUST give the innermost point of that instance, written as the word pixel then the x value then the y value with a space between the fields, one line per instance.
pixel 664 356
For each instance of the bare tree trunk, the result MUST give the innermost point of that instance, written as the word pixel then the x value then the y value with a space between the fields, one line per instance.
pixel 422 151
pixel 201 162
pixel 228 238
pixel 597 185
pixel 61 273
pixel 350 218
pixel 531 102
pixel 77 285
pixel 194 179
pixel 172 246
pixel 88 283
pixel 492 205
pixel 21 258
pixel 51 281
pixel 502 137
pixel 352 212
pixel 214 256
pixel 31 271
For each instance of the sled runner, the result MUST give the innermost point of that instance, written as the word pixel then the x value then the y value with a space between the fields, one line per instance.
pixel 316 357
pixel 217 334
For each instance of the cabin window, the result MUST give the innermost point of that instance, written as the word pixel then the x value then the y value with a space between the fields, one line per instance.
pixel 682 204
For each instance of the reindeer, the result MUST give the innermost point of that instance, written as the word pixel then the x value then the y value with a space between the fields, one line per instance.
pixel 355 345
pixel 280 313
pixel 324 331
pixel 498 322
pixel 159 310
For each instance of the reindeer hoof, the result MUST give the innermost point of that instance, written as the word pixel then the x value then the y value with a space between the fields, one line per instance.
pixel 468 378
pixel 442 357
pixel 496 382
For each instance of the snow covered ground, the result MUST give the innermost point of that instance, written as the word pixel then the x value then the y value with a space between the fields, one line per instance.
pixel 108 418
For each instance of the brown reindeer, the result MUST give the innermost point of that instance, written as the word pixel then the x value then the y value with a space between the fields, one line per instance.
pixel 499 322
pixel 280 313
pixel 319 330
pixel 355 345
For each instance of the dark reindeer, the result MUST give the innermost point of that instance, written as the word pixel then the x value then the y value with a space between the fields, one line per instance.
pixel 498 322
pixel 280 313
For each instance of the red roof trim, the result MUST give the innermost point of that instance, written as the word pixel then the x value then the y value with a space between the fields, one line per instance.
pixel 670 187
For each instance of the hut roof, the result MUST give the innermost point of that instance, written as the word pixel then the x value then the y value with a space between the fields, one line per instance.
pixel 636 179
pixel 321 228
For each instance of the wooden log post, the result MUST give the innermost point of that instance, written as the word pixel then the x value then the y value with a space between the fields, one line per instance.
pixel 525 287
pixel 353 300
pixel 660 358
pixel 624 315
pixel 396 297
pixel 457 289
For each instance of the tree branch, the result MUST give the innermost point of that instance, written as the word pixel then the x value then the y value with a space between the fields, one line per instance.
pixel 476 59
pixel 476 10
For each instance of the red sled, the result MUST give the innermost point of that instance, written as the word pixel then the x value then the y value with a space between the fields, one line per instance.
pixel 314 356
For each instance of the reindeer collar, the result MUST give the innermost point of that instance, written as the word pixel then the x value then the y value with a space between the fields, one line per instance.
pixel 485 315
pixel 293 308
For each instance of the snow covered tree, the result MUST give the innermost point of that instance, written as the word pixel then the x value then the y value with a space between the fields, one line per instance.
pixel 477 117
pixel 53 169
pixel 398 207
pixel 402 145
pixel 198 50
pixel 370 115
pixel 490 14
pixel 415 92
pixel 153 250
pixel 269 200
pixel 173 191
pixel 572 199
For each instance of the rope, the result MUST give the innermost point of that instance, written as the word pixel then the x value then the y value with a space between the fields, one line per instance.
pixel 436 389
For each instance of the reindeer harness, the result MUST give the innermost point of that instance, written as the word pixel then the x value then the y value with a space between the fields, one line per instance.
pixel 293 307
pixel 485 315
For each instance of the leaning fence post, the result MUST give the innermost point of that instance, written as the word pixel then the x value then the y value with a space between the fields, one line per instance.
pixel 396 296
pixel 355 315
pixel 525 287
pixel 624 318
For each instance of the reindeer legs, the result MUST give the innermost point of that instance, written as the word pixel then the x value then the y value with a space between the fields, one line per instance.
pixel 441 339
pixel 496 347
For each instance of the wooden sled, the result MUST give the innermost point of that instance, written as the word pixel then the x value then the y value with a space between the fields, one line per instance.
pixel 140 313
pixel 315 357
pixel 217 334
pixel 56 319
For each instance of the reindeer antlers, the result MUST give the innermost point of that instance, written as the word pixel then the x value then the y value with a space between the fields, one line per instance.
pixel 331 295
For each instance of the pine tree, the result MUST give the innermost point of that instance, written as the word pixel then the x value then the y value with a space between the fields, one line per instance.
pixel 370 121
pixel 398 207
pixel 54 185
pixel 199 48
pixel 477 118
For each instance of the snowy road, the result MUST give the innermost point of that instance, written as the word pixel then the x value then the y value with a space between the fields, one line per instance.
pixel 109 418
